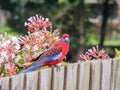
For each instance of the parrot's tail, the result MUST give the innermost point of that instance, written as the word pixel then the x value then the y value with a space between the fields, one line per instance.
pixel 32 68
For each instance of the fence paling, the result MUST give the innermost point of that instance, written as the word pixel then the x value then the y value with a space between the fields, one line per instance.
pixel 70 77
pixel 106 75
pixel 5 83
pixel 94 75
pixel 117 86
pixel 95 81
pixel 58 79
pixel 83 76
pixel 45 79
pixel 113 74
pixel 18 82
pixel 32 81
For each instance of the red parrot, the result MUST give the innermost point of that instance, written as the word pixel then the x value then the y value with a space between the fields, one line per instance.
pixel 52 55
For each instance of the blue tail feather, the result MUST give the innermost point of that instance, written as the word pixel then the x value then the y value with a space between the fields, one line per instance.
pixel 32 68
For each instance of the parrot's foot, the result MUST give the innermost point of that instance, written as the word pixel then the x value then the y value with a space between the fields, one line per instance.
pixel 57 67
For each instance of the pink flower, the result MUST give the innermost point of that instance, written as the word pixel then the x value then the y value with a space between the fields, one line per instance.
pixel 10 69
pixel 85 57
pixel 35 23
pixel 94 54
pixel 28 59
pixel 24 40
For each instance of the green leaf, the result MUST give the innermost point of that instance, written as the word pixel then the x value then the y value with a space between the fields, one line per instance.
pixel 31 53
pixel 117 52
pixel 21 61
pixel 21 52
pixel 1 69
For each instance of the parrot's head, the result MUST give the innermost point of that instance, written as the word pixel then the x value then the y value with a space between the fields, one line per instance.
pixel 65 39
pixel 65 43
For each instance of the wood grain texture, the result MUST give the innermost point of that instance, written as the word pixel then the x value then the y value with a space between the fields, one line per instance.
pixel 32 81
pixel 83 78
pixel 95 75
pixel 17 82
pixel 71 77
pixel 45 79
pixel 117 83
pixel 58 79
pixel 106 75
pixel 113 74
pixel 5 83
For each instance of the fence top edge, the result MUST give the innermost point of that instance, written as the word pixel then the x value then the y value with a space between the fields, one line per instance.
pixel 71 64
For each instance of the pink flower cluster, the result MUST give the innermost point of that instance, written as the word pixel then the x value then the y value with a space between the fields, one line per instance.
pixel 94 54
pixel 35 43
pixel 35 23
pixel 15 52
pixel 8 49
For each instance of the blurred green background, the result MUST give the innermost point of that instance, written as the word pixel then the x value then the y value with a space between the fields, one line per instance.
pixel 89 22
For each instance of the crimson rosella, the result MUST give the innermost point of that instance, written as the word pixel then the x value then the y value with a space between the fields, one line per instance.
pixel 52 55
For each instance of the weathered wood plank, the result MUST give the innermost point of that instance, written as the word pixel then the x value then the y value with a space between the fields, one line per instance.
pixel 5 83
pixel 113 74
pixel 58 79
pixel 117 84
pixel 32 81
pixel 83 78
pixel 45 79
pixel 95 75
pixel 71 77
pixel 17 82
pixel 106 75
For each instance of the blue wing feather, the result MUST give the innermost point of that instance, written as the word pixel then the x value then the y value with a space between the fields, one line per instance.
pixel 48 59
pixel 52 58
pixel 51 54
pixel 32 68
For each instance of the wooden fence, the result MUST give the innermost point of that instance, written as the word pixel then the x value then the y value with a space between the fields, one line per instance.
pixel 95 75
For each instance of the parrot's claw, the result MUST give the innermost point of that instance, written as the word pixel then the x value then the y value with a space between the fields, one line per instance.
pixel 65 58
pixel 57 67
